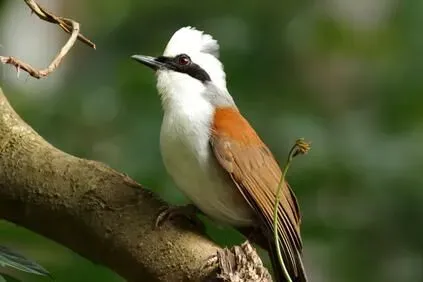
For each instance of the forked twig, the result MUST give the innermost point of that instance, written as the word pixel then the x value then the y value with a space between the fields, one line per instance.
pixel 68 25
pixel 64 23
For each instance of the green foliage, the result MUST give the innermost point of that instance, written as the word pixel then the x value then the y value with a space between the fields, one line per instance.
pixel 8 278
pixel 11 258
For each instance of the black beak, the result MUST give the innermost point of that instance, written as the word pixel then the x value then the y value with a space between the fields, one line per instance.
pixel 150 62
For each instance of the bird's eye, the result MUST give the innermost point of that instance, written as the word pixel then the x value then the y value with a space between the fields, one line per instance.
pixel 184 60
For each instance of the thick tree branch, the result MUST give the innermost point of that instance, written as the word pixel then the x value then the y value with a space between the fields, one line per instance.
pixel 101 214
pixel 104 215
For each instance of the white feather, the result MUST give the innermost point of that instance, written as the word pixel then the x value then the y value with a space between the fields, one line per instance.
pixel 189 40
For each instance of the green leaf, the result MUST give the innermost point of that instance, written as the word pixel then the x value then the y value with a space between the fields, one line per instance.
pixel 17 261
pixel 8 278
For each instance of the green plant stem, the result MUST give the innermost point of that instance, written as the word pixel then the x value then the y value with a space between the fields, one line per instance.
pixel 275 212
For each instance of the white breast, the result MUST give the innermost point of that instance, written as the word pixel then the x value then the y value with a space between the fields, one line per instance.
pixel 187 156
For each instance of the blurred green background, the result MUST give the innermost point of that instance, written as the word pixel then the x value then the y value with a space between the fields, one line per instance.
pixel 346 75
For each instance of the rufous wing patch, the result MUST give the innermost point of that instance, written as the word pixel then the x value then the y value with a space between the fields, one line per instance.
pixel 230 123
pixel 255 172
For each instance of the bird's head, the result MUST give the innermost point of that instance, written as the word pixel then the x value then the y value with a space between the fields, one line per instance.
pixel 189 68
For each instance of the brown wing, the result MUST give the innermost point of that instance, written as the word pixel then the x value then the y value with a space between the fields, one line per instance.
pixel 256 173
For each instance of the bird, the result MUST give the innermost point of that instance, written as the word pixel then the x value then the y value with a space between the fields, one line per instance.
pixel 213 154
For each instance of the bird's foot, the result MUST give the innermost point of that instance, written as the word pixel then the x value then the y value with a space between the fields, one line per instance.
pixel 188 211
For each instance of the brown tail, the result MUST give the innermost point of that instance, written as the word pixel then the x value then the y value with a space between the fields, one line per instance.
pixel 278 268
pixel 256 236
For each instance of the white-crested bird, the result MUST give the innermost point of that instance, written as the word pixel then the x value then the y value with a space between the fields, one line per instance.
pixel 214 155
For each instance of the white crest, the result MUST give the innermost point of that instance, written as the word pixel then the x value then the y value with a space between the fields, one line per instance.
pixel 181 89
pixel 189 40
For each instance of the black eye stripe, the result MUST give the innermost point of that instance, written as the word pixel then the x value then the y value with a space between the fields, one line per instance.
pixel 191 68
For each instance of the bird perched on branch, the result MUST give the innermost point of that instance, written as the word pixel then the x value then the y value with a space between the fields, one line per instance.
pixel 214 155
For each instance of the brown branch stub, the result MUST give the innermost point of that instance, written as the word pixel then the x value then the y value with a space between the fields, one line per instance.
pixel 241 263
pixel 68 25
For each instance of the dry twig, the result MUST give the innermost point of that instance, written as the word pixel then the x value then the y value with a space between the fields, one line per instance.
pixel 68 25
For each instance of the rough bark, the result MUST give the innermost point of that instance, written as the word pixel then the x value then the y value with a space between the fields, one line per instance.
pixel 92 209
pixel 100 213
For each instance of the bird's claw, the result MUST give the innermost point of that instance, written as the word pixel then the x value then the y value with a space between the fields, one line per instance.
pixel 188 211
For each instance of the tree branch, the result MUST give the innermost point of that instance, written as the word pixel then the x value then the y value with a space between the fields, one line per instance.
pixel 104 215
pixel 68 25
pixel 65 24
pixel 92 209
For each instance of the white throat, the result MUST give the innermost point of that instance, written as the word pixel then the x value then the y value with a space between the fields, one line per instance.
pixel 178 90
